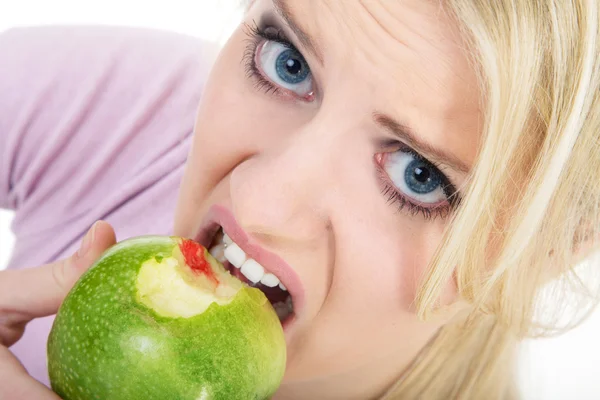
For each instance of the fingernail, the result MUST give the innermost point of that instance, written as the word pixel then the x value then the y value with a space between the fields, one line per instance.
pixel 87 242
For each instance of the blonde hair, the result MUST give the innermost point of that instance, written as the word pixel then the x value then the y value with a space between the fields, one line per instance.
pixel 531 213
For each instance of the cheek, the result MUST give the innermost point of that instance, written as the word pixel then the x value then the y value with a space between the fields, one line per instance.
pixel 234 122
pixel 377 273
pixel 387 255
pixel 394 268
pixel 217 133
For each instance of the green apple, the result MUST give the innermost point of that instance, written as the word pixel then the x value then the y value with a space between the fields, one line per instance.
pixel 159 318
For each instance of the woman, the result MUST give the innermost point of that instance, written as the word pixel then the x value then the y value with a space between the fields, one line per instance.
pixel 413 172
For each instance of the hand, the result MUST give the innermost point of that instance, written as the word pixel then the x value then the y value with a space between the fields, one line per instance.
pixel 38 292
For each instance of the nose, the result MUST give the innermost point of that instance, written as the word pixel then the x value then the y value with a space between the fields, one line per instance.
pixel 283 190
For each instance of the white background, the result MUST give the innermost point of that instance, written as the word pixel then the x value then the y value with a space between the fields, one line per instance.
pixel 567 368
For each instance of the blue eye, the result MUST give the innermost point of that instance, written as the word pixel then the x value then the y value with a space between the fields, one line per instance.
pixel 420 178
pixel 285 67
pixel 291 67
pixel 415 177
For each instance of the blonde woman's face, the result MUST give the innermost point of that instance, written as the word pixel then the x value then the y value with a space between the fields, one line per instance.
pixel 333 141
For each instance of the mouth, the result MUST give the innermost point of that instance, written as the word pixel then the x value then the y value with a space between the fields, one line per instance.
pixel 252 264
pixel 252 273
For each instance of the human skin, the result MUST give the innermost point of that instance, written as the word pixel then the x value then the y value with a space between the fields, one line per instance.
pixel 310 173
pixel 298 174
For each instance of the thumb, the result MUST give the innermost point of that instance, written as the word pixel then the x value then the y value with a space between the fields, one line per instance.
pixel 38 292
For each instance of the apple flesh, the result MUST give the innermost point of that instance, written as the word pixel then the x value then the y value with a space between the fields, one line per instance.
pixel 159 318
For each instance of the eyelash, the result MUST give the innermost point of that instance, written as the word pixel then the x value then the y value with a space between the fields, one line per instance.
pixel 257 36
pixel 404 203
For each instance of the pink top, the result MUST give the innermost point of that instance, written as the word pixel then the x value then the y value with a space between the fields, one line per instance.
pixel 95 123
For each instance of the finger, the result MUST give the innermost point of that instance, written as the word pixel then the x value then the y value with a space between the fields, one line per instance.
pixel 15 382
pixel 38 292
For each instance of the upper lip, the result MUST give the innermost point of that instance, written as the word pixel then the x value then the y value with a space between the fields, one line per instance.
pixel 219 216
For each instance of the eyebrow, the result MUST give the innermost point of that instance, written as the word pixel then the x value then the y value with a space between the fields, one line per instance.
pixel 281 7
pixel 405 134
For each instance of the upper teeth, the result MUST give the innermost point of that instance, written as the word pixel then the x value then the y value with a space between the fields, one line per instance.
pixel 235 255
pixel 253 271
pixel 270 280
pixel 249 267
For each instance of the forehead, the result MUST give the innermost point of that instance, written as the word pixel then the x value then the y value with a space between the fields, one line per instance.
pixel 408 55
